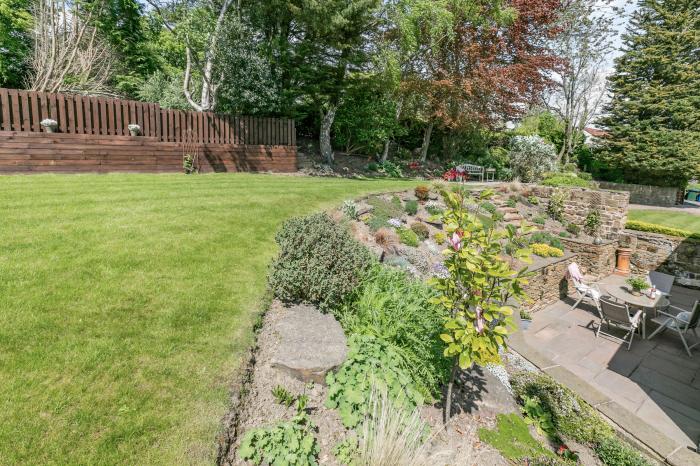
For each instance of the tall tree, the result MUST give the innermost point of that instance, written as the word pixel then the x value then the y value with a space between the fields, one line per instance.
pixel 654 114
pixel 15 41
pixel 584 42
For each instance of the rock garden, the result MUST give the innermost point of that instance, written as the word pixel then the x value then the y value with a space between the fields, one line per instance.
pixel 385 341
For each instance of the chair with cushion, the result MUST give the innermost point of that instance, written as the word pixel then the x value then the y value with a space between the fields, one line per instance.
pixel 681 322
pixel 585 291
pixel 612 313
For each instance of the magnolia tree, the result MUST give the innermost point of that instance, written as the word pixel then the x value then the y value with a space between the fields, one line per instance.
pixel 477 284
pixel 531 157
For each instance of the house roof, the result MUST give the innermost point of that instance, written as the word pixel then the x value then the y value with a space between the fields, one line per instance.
pixel 595 132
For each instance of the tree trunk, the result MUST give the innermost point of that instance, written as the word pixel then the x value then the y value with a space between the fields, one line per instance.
pixel 385 154
pixel 426 142
pixel 448 400
pixel 325 136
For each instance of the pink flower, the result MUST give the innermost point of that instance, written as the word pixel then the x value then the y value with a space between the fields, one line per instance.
pixel 455 241
pixel 479 320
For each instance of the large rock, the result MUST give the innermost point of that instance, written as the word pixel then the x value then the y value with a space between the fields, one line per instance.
pixel 310 344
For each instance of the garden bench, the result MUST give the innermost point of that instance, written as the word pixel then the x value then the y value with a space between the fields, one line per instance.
pixel 472 170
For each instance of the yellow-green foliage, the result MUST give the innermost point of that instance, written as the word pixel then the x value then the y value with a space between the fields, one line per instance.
pixel 653 228
pixel 545 250
pixel 439 237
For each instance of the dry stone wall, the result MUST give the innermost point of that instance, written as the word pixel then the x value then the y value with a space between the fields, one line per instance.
pixel 646 195
pixel 580 201
pixel 548 283
pixel 669 254
pixel 597 260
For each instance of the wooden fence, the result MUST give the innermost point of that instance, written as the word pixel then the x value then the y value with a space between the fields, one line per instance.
pixel 22 111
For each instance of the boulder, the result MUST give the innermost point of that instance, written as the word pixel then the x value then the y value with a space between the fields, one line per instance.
pixel 310 344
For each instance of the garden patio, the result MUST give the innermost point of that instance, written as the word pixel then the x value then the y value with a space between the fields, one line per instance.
pixel 655 382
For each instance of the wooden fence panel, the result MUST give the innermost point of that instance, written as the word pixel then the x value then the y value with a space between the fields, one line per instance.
pixel 23 111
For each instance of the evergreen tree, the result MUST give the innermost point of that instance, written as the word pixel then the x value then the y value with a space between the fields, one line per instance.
pixel 654 115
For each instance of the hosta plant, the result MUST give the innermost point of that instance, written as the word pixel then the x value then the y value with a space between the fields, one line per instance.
pixel 475 291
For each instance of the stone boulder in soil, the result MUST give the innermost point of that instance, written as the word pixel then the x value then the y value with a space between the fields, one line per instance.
pixel 310 344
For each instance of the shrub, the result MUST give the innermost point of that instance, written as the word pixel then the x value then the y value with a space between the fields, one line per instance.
pixel 545 250
pixel 653 228
pixel 408 237
pixel 349 209
pixel 566 179
pixel 585 176
pixel 530 157
pixel 569 168
pixel 390 169
pixel 319 262
pixel 371 362
pixel 386 237
pixel 422 192
pixel 534 200
pixel 411 207
pixel 434 208
pixel 421 230
pixel 564 234
pixel 513 440
pixel 511 202
pixel 573 229
pixel 545 238
pixel 392 306
pixel 614 452
pixel 592 222
pixel 540 220
pixel 555 206
pixel 439 237
pixel 488 207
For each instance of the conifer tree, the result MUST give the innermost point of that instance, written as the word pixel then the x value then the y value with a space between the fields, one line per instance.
pixel 654 116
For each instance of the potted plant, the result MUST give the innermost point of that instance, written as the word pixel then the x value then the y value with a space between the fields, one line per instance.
pixel 134 130
pixel 637 284
pixel 525 319
pixel 49 125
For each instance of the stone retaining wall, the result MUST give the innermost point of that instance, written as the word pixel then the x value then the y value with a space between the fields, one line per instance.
pixel 669 254
pixel 580 201
pixel 645 194
pixel 548 284
pixel 597 260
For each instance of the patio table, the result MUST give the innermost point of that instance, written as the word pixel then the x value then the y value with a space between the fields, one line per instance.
pixel 621 291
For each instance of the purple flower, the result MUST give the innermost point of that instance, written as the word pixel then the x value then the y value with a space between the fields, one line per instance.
pixel 440 271
pixel 394 222
pixel 479 320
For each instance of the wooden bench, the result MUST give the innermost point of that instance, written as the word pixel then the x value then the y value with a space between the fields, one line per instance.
pixel 472 170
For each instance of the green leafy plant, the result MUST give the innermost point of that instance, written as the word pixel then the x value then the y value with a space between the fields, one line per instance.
pixel 283 396
pixel 567 179
pixel 346 451
pixel 573 229
pixel 421 230
pixel 545 250
pixel 475 291
pixel 637 283
pixel 513 440
pixel 525 315
pixel 614 452
pixel 290 443
pixel 411 207
pixel 370 362
pixel 408 237
pixel 439 237
pixel 511 202
pixel 546 238
pixel 564 234
pixel 349 209
pixel 422 192
pixel 433 208
pixel 591 224
pixel 390 169
pixel 319 262
pixel 397 309
pixel 536 415
pixel 534 200
pixel 540 220
pixel 555 206
pixel 488 207
pixel 383 210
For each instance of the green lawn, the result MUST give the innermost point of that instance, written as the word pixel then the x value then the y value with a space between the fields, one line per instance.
pixel 667 218
pixel 126 303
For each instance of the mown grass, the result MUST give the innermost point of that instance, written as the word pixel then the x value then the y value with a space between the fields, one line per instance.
pixel 126 302
pixel 680 220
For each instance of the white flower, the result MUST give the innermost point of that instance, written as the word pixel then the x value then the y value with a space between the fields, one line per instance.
pixel 395 222
pixel 48 122
pixel 134 127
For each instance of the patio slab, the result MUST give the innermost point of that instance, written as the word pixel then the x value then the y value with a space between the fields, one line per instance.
pixel 651 391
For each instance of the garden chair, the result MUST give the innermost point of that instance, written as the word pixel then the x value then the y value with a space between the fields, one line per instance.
pixel 590 292
pixel 618 315
pixel 681 323
pixel 663 283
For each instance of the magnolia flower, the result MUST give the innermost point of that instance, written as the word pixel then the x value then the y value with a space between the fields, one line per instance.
pixel 455 241
pixel 479 320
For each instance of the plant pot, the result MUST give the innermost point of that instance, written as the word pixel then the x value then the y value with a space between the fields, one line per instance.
pixel 636 292
pixel 133 133
pixel 50 129
pixel 623 261
pixel 525 324
pixel 597 240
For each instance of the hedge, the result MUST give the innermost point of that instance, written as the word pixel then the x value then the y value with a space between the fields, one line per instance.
pixel 653 228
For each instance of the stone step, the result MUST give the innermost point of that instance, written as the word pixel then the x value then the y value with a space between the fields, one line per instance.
pixel 506 209
pixel 512 217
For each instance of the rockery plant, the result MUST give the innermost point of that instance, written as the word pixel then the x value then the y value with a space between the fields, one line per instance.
pixel 475 291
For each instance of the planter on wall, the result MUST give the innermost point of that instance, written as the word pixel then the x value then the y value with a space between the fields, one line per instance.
pixel 134 130
pixel 49 125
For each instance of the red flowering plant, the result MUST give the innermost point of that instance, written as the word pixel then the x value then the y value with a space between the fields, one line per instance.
pixel 415 166
pixel 478 284
pixel 450 175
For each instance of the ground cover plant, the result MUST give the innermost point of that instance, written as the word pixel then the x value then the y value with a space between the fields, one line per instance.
pixel 643 219
pixel 127 302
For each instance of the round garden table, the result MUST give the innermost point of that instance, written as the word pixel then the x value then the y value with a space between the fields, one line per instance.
pixel 623 292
